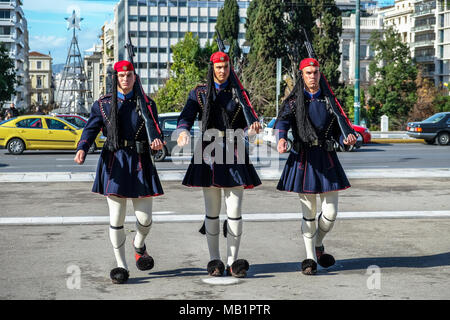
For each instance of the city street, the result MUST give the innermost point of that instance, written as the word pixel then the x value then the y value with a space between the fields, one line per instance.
pixel 390 240
pixel 372 156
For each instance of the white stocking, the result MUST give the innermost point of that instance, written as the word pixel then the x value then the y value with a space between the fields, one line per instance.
pixel 212 198
pixel 143 211
pixel 233 202
pixel 117 211
pixel 309 229
pixel 328 215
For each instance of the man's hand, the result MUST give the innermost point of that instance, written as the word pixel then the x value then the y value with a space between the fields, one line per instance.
pixel 80 157
pixel 183 139
pixel 351 140
pixel 157 144
pixel 255 128
pixel 282 145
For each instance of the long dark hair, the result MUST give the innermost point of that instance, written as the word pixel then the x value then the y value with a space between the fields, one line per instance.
pixel 305 129
pixel 210 87
pixel 113 130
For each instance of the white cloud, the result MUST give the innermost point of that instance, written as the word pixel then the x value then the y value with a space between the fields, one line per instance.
pixel 38 43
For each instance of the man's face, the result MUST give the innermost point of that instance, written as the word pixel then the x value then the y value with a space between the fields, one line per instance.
pixel 311 76
pixel 126 81
pixel 221 72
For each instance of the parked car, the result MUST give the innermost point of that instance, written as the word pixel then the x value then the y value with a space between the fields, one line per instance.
pixel 363 136
pixel 80 122
pixel 434 128
pixel 270 137
pixel 168 124
pixel 40 132
pixel 363 133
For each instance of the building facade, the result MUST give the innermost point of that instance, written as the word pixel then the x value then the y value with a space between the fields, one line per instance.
pixel 155 26
pixel 370 20
pixel 41 77
pixel 94 74
pixel 107 63
pixel 14 36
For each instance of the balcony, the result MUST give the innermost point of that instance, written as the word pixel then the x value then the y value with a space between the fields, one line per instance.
pixel 426 27
pixel 420 44
pixel 365 23
pixel 424 13
pixel 424 58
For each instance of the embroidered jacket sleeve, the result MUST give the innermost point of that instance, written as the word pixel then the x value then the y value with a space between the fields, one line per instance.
pixel 190 111
pixel 286 118
pixel 92 128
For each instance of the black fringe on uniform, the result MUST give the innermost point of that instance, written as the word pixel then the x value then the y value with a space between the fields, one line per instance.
pixel 209 97
pixel 113 130
pixel 305 129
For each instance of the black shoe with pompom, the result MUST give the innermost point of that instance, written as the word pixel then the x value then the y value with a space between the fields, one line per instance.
pixel 119 275
pixel 215 268
pixel 238 268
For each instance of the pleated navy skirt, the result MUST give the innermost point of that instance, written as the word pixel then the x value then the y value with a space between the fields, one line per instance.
pixel 209 172
pixel 126 174
pixel 314 170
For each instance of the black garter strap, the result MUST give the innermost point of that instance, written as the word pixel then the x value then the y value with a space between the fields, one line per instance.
pixel 309 220
pixel 116 228
pixel 240 218
pixel 206 229
pixel 321 215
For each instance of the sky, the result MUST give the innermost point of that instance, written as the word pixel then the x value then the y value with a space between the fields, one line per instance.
pixel 47 26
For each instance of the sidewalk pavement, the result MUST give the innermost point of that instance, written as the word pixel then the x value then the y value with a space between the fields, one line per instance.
pixel 393 137
pixel 378 256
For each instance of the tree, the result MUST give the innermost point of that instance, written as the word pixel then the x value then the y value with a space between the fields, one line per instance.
pixel 8 79
pixel 298 14
pixel 327 32
pixel 394 92
pixel 426 97
pixel 189 68
pixel 228 27
pixel 266 33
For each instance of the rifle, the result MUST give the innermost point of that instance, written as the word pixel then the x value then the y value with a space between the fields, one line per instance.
pixel 143 103
pixel 344 123
pixel 244 101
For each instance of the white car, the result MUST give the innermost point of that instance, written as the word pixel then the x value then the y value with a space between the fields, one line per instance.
pixel 271 138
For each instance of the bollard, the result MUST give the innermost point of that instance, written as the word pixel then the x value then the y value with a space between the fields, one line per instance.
pixel 384 123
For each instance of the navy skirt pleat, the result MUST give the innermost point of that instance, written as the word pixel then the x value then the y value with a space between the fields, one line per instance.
pixel 313 170
pixel 126 174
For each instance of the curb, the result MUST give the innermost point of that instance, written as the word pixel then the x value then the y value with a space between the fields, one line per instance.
pixel 381 141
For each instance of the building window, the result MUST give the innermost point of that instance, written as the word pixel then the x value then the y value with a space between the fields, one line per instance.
pixel 39 64
pixel 5 14
pixel 39 82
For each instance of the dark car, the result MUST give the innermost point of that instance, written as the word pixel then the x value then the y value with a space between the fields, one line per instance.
pixel 436 127
pixel 168 125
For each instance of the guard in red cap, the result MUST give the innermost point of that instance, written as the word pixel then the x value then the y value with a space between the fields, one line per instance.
pixel 313 168
pixel 124 170
pixel 220 164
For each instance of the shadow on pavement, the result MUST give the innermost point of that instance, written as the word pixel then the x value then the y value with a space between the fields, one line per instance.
pixel 437 260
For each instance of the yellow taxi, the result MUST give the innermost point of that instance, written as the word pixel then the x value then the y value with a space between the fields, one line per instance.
pixel 41 132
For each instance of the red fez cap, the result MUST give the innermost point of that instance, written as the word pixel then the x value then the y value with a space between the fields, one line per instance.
pixel 123 66
pixel 219 57
pixel 308 62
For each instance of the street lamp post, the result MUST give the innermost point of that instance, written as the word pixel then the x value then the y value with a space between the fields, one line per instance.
pixel 357 104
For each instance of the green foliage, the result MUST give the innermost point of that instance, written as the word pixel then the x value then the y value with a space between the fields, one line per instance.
pixel 266 30
pixel 228 27
pixel 442 103
pixel 394 92
pixel 327 35
pixel 7 75
pixel 189 68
